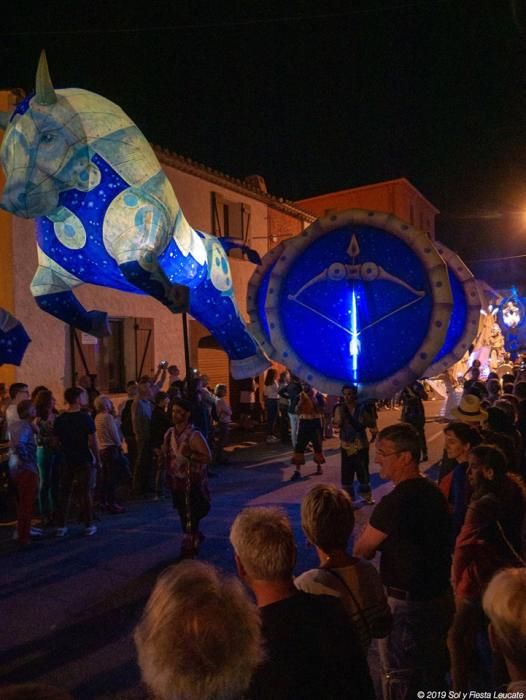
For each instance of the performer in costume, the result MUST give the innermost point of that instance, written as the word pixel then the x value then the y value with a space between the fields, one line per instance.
pixel 309 411
pixel 352 418
pixel 187 455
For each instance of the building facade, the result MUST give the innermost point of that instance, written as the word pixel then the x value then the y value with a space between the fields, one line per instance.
pixel 398 197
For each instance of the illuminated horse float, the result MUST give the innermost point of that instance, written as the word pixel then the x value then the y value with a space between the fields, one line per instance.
pixel 107 215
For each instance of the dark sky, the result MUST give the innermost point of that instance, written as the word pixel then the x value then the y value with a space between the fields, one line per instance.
pixel 314 96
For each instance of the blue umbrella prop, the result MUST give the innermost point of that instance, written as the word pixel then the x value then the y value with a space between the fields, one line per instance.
pixel 13 339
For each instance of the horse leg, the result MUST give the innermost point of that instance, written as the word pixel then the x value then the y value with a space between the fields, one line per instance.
pixel 51 286
pixel 205 270
pixel 146 274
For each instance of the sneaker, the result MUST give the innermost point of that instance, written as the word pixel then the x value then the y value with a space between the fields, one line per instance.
pixel 272 438
pixel 369 500
pixel 61 531
pixel 90 530
pixel 296 475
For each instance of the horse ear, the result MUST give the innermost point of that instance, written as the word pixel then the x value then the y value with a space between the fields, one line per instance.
pixel 4 120
pixel 45 92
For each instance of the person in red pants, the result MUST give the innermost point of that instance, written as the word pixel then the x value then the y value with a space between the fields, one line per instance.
pixel 24 470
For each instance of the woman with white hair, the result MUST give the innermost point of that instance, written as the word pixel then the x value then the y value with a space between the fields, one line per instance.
pixel 111 457
pixel 200 636
pixel 504 603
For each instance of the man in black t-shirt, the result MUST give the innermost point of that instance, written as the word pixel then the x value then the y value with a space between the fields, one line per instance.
pixel 313 652
pixel 75 430
pixel 411 528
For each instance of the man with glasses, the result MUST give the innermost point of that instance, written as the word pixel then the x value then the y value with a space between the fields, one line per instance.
pixel 411 528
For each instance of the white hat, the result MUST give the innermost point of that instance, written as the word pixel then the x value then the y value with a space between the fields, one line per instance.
pixel 469 410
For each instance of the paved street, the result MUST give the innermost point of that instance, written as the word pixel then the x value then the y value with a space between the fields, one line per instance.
pixel 68 607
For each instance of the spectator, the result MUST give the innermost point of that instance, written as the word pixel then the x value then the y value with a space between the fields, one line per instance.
pixel 309 410
pixel 186 456
pixel 292 393
pixel 159 378
pixel 160 424
pixel 176 388
pixel 17 392
pixel 459 439
pixel 201 411
pixel 411 528
pixel 488 540
pixel 312 649
pixel 24 470
pixel 499 421
pixel 247 401
pixel 36 391
pixel 469 411
pixel 127 423
pixel 75 430
pixel 413 412
pixel 504 603
pixel 493 388
pixel 283 406
pixel 209 400
pixel 327 520
pixel 224 417
pixel 111 457
pixel 270 392
pixel 352 420
pixel 48 456
pixel 88 382
pixel 199 637
pixel 141 410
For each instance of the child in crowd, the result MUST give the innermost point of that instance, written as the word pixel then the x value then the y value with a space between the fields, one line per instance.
pixel 24 470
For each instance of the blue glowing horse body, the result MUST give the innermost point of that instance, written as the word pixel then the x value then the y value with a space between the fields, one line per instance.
pixel 107 215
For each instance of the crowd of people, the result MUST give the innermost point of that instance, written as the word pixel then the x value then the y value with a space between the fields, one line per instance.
pixel 156 442
pixel 451 552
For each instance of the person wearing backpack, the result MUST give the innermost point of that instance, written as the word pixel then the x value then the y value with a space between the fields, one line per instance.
pixel 292 393
pixel 353 419
pixel 413 412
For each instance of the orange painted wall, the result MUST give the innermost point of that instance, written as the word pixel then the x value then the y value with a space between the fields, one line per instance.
pixel 398 197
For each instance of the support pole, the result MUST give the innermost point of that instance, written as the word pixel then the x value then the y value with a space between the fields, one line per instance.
pixel 186 346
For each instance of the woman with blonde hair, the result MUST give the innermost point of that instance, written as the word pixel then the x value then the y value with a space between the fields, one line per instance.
pixel 327 519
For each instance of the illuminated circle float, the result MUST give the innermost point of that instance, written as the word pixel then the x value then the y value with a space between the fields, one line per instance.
pixel 511 317
pixel 465 316
pixel 357 297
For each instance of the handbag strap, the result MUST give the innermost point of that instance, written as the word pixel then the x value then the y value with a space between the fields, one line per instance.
pixel 354 599
pixel 509 544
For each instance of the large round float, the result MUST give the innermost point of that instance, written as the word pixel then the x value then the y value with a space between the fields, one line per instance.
pixel 359 297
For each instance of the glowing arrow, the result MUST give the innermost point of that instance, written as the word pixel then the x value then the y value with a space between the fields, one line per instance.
pixel 354 345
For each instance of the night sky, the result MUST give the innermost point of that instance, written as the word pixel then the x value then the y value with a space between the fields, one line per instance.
pixel 315 97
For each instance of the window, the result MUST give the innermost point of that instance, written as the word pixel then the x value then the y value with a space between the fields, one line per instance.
pixel 114 360
pixel 230 219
